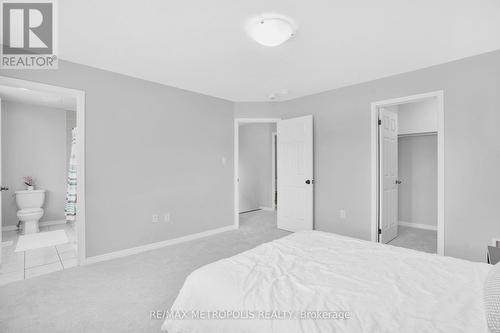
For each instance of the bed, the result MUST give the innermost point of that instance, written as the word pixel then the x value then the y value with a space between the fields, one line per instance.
pixel 314 281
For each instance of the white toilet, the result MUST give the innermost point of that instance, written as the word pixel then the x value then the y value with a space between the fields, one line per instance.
pixel 30 211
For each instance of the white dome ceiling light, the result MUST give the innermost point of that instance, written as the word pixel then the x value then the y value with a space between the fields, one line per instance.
pixel 271 31
pixel 278 94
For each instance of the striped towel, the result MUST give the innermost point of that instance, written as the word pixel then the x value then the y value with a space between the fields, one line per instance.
pixel 70 207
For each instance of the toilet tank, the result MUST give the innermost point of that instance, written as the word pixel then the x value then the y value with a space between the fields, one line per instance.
pixel 30 199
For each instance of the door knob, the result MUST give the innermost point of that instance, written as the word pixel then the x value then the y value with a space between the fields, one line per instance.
pixel 4 188
pixel 309 181
pixel 398 182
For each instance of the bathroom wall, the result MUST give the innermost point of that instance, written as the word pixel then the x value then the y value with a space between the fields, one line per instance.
pixel 34 143
pixel 255 166
pixel 70 124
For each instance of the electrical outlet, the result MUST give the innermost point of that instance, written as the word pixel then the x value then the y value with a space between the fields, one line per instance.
pixel 166 217
pixel 342 214
pixel 155 218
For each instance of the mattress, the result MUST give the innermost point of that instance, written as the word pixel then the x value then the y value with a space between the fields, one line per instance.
pixel 314 281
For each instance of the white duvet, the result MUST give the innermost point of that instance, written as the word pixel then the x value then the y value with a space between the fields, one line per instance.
pixel 383 289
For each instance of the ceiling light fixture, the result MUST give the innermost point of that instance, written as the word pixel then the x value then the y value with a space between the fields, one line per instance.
pixel 271 31
pixel 278 94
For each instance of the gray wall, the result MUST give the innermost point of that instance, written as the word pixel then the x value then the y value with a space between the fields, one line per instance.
pixel 33 144
pixel 417 163
pixel 150 149
pixel 472 148
pixel 255 166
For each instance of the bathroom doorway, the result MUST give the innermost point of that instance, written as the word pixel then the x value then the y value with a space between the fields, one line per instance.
pixel 42 175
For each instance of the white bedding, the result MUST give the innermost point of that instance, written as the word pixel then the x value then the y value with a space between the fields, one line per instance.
pixel 383 288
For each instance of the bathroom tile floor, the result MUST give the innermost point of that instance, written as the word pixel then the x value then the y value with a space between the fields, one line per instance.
pixel 24 265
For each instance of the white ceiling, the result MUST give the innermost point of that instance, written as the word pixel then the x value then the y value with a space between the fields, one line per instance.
pixel 37 97
pixel 202 45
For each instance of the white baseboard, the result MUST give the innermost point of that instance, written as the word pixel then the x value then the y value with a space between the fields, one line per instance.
pixel 9 228
pixel 157 245
pixel 418 225
pixel 7 243
pixel 270 209
pixel 41 224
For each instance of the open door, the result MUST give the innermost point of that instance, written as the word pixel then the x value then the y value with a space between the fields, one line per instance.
pixel 2 188
pixel 388 175
pixel 295 174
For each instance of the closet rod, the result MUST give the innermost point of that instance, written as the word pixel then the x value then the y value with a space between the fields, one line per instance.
pixel 416 134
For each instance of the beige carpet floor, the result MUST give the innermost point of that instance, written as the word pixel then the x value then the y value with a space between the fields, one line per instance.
pixel 118 295
pixel 416 239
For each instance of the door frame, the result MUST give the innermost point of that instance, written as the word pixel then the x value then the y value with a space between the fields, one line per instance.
pixel 79 96
pixel 273 172
pixel 439 95
pixel 237 123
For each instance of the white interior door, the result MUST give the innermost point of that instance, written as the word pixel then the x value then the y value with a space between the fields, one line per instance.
pixel 295 174
pixel 388 175
pixel 1 182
